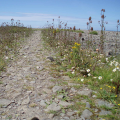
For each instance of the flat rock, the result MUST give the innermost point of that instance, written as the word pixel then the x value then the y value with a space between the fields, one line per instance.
pixel 4 102
pixel 65 104
pixel 103 112
pixel 26 101
pixel 57 88
pixel 86 92
pixel 42 103
pixel 72 84
pixel 60 96
pixel 66 77
pixel 48 91
pixel 99 102
pixel 86 113
pixel 53 107
pixel 70 113
pixel 15 95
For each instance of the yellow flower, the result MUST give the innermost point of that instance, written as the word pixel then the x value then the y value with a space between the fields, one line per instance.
pixel 118 104
pixel 106 85
pixel 73 47
pixel 116 96
pixel 113 87
pixel 75 43
pixel 109 86
pixel 100 88
pixel 90 65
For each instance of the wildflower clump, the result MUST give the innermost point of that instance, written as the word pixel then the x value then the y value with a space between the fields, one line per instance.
pixel 75 56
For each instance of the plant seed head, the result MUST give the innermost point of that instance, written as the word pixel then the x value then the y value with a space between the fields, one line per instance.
pixel 89 18
pixel 91 28
pixel 87 23
pixel 103 10
pixel 74 28
pixel 80 34
pixel 102 16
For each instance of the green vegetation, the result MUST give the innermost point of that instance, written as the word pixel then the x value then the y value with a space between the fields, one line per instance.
pixel 11 36
pixel 88 67
pixel 93 32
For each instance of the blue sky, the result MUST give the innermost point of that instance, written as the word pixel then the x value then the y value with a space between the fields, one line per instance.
pixel 75 12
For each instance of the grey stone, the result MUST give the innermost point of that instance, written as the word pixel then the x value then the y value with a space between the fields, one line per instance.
pixel 86 113
pixel 72 118
pixel 66 77
pixel 42 103
pixel 57 88
pixel 88 105
pixel 53 107
pixel 72 89
pixel 66 118
pixel 32 82
pixel 85 92
pixel 15 95
pixel 50 58
pixel 51 116
pixel 70 113
pixel 4 102
pixel 103 112
pixel 62 114
pixel 26 101
pixel 82 118
pixel 48 91
pixel 56 118
pixel 46 119
pixel 60 96
pixel 65 104
pixel 72 84
pixel 99 102
pixel 40 67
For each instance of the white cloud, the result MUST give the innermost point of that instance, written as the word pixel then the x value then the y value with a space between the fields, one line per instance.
pixel 38 17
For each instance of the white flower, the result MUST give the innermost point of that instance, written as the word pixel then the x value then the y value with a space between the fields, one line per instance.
pixel 82 79
pixel 100 77
pixel 73 71
pixel 88 70
pixel 106 59
pixel 24 56
pixel 111 63
pixel 6 57
pixel 47 37
pixel 114 70
pixel 37 67
pixel 94 77
pixel 111 79
pixel 116 64
pixel 117 68
pixel 89 74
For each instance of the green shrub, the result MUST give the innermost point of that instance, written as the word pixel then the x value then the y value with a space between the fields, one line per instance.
pixel 94 33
